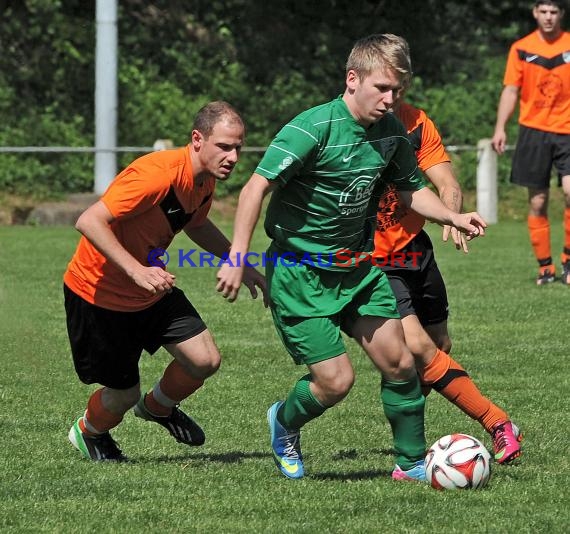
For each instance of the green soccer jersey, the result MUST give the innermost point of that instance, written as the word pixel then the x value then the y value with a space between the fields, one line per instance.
pixel 330 171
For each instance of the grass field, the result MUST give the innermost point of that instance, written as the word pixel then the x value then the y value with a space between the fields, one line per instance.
pixel 511 336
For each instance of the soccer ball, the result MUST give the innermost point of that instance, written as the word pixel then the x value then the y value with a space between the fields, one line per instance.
pixel 458 461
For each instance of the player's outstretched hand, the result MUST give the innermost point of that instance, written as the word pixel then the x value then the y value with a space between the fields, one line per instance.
pixel 471 224
pixel 459 239
pixel 253 278
pixel 229 280
pixel 154 279
pixel 499 142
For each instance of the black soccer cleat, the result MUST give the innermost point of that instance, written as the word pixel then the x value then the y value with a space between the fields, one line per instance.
pixel 565 279
pixel 181 427
pixel 545 276
pixel 101 447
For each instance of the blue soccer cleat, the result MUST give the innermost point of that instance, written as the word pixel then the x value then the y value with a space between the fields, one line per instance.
pixel 416 473
pixel 286 445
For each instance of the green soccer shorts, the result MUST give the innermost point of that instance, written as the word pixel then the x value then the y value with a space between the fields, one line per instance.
pixel 310 306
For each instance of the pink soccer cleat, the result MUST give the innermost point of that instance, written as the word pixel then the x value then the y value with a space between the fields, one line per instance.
pixel 506 442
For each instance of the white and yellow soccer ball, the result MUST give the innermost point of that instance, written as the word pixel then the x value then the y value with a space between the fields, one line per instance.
pixel 458 461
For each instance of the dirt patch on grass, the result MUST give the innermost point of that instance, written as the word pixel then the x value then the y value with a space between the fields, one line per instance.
pixel 21 210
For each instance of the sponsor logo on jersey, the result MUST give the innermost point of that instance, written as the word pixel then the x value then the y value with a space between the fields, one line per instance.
pixel 286 162
pixel 354 199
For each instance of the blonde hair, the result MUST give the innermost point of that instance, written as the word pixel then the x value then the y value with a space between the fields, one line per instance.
pixel 381 51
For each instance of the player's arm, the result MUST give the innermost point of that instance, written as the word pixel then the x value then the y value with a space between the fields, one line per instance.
pixel 95 224
pixel 443 178
pixel 507 105
pixel 212 239
pixel 250 201
pixel 209 237
pixel 427 203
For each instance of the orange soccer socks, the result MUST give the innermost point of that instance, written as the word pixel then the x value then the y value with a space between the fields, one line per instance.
pixel 174 386
pixel 567 232
pixel 539 232
pixel 97 419
pixel 565 256
pixel 449 379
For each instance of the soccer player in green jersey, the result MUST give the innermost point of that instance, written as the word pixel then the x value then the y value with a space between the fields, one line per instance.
pixel 326 169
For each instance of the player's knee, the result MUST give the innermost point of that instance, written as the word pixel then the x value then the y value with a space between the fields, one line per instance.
pixel 208 364
pixel 401 368
pixel 422 347
pixel 201 366
pixel 214 365
pixel 407 368
pixel 334 389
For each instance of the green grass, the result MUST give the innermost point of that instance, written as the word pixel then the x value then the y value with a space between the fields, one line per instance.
pixel 510 335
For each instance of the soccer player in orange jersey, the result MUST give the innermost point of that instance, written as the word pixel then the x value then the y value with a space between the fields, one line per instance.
pixel 538 70
pixel 120 299
pixel 405 253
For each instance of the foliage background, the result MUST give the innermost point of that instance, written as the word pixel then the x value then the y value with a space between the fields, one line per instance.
pixel 269 59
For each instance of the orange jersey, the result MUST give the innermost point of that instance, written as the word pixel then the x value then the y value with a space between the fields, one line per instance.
pixel 396 225
pixel 154 198
pixel 542 71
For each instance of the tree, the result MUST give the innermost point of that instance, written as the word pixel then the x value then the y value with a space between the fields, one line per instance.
pixel 269 59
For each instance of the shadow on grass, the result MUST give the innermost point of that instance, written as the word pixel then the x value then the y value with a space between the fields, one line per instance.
pixel 353 454
pixel 349 477
pixel 233 457
pixel 236 457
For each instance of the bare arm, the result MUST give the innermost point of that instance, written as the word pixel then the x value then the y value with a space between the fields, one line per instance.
pixel 247 215
pixel 211 238
pixel 427 203
pixel 442 177
pixel 507 105
pixel 94 223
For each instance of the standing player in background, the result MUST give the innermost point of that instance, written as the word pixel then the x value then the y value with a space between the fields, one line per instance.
pixel 538 66
pixel 119 298
pixel 326 169
pixel 406 253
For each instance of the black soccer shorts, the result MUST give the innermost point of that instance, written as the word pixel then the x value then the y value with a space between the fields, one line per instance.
pixel 535 154
pixel 106 345
pixel 420 290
